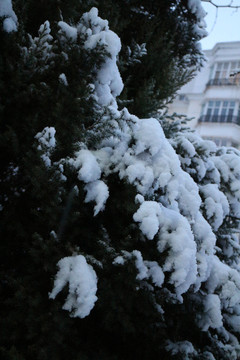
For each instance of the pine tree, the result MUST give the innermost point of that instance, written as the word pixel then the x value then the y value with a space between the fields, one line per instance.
pixel 117 242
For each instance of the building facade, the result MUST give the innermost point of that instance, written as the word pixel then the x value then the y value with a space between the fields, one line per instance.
pixel 212 98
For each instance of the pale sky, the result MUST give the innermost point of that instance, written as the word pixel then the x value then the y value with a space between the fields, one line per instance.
pixel 225 26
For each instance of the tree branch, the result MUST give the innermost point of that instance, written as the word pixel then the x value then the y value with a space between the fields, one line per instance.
pixel 230 5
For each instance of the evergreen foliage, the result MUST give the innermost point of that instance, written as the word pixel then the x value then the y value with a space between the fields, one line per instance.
pixel 159 42
pixel 117 241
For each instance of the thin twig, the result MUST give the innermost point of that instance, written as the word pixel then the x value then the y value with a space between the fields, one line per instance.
pixel 230 5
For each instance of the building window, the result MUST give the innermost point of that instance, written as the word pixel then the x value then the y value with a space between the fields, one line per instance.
pixel 222 70
pixel 225 73
pixel 221 111
pixel 181 97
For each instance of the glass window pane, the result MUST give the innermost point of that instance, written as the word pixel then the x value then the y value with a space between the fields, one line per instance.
pixel 225 65
pixel 225 103
pixel 210 103
pixel 232 104
pixel 217 103
pixel 219 66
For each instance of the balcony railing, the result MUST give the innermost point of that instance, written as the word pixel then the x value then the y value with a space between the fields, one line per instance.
pixel 220 119
pixel 232 81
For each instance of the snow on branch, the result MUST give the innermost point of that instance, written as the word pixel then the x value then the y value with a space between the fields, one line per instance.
pixel 10 22
pixel 82 280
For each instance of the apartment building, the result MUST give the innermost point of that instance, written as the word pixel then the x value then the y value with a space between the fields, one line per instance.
pixel 212 98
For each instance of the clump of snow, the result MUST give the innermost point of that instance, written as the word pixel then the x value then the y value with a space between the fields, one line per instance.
pixel 139 199
pixel 141 267
pixel 206 241
pixel 229 168
pixel 70 32
pixel 155 272
pixel 233 321
pixel 215 204
pixel 226 282
pixel 108 82
pixel 54 235
pixel 212 316
pixel 10 22
pixel 97 191
pixel 96 23
pixel 148 217
pixel 46 138
pixel 175 235
pixel 47 143
pixel 148 136
pixel 184 348
pixel 119 260
pixel 87 166
pixel 82 280
pixel 63 79
pixel 197 9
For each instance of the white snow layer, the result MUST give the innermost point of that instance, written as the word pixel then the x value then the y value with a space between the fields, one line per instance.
pixel 68 31
pixel 89 170
pixel 10 22
pixel 155 272
pixel 108 83
pixel 215 204
pixel 97 191
pixel 148 216
pixel 82 280
pixel 212 316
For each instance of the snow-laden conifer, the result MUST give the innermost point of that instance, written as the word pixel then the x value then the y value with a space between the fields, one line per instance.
pixel 125 225
pixel 183 203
